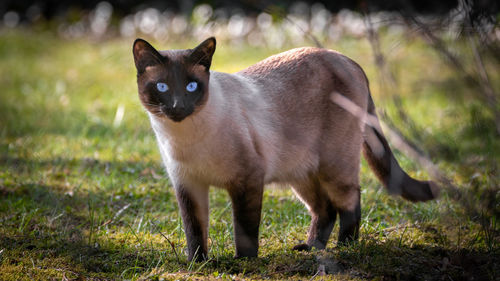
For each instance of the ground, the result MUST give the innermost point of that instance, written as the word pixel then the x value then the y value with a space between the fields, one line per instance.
pixel 83 194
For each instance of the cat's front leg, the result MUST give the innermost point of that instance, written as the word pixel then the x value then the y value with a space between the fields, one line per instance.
pixel 247 204
pixel 193 205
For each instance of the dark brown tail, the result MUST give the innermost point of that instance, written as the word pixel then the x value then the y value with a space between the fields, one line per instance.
pixel 379 155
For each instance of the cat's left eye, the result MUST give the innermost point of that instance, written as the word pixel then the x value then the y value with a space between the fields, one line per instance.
pixel 192 86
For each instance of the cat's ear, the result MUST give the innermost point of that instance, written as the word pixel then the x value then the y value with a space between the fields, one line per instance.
pixel 145 55
pixel 203 53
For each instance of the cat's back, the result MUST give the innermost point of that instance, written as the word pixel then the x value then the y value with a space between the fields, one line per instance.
pixel 309 71
pixel 306 60
pixel 289 60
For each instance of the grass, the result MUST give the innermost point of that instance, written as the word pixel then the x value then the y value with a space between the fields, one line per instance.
pixel 83 194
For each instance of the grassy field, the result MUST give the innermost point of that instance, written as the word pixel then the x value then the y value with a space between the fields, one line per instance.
pixel 83 194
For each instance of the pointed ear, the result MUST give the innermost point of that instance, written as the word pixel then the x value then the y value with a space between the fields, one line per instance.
pixel 203 53
pixel 145 55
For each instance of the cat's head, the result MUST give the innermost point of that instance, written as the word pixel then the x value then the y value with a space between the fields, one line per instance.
pixel 174 83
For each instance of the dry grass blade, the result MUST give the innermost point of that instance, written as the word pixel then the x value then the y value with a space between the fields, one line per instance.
pixel 168 240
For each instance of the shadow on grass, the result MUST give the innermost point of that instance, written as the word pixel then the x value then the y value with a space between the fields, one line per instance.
pixel 369 259
pixel 470 154
pixel 391 260
pixel 49 229
pixel 42 242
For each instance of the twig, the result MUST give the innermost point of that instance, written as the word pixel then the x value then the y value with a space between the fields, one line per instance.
pixel 320 272
pixel 168 240
pixel 306 32
pixel 488 90
pixel 282 14
pixel 395 138
pixel 116 215
pixel 484 85
pixel 384 74
pixel 395 228
pixel 388 83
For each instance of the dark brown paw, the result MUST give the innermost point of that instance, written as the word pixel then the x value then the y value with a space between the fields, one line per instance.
pixel 250 252
pixel 301 247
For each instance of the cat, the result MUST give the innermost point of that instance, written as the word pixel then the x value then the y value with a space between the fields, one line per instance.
pixel 278 121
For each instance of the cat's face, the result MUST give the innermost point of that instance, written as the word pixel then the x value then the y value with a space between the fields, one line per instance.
pixel 173 84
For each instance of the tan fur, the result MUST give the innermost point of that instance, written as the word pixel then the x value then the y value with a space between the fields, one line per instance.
pixel 275 122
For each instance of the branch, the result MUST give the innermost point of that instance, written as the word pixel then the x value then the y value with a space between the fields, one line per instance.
pixel 484 86
pixel 396 140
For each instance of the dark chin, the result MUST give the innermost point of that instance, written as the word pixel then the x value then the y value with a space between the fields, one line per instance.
pixel 176 118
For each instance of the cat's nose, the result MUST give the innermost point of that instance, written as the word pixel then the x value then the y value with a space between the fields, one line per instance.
pixel 178 104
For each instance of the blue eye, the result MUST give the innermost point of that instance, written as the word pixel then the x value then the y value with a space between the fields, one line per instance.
pixel 162 87
pixel 192 86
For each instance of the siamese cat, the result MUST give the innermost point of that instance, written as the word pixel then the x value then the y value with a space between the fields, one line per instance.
pixel 274 122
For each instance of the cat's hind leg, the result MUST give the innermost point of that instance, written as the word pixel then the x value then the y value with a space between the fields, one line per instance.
pixel 323 214
pixel 346 200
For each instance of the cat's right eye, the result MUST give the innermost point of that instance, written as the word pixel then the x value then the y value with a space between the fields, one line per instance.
pixel 162 87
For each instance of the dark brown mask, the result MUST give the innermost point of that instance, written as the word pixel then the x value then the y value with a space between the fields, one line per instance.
pixel 173 83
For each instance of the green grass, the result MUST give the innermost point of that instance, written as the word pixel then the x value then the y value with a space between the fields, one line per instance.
pixel 82 196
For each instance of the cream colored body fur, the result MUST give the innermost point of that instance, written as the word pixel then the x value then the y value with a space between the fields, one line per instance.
pixel 205 142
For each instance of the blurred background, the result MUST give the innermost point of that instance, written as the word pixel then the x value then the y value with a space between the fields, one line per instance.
pixel 79 169
pixel 240 21
pixel 439 59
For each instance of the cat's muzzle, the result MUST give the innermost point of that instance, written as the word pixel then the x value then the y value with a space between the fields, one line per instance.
pixel 176 114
